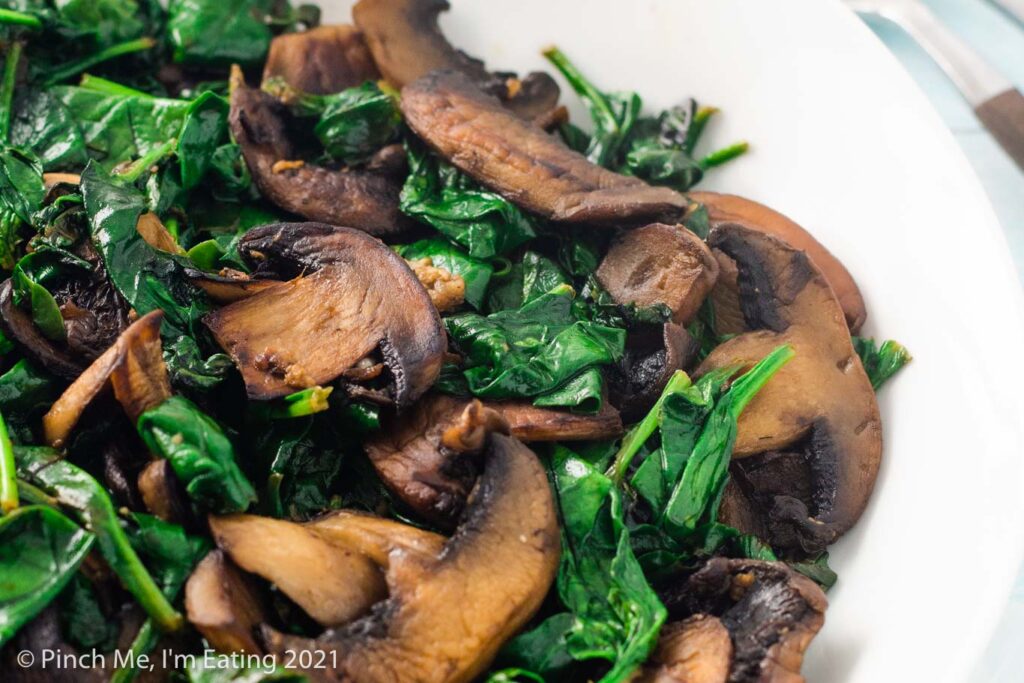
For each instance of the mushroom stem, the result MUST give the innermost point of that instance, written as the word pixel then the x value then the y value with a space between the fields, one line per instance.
pixel 470 431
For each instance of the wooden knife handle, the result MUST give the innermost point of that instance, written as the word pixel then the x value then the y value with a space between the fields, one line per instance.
pixel 1003 115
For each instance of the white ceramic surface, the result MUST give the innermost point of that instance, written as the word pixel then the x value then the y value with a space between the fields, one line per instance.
pixel 845 144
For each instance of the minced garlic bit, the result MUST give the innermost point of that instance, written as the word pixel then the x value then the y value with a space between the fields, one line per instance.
pixel 446 289
pixel 282 165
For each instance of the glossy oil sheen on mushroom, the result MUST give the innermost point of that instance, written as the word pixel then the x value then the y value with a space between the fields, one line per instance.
pixel 311 329
pixel 523 163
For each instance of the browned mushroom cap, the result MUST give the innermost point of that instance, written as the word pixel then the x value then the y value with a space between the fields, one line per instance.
pixel 430 457
pixel 521 162
pixel 310 330
pixel 660 264
pixel 695 650
pixel 824 391
pixel 332 583
pixel 727 208
pixel 223 606
pixel 133 366
pixel 651 358
pixel 771 612
pixel 360 198
pixel 407 43
pixel 322 60
pixel 447 616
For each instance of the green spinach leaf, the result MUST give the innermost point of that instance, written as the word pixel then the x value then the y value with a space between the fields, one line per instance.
pixel 117 128
pixel 82 620
pixel 147 278
pixel 40 549
pixel 881 362
pixel 535 350
pixel 351 124
pixel 200 454
pixel 219 33
pixel 204 128
pixel 480 221
pixel 616 613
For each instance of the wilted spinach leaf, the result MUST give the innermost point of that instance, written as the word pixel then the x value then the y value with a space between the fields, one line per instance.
pixel 200 454
pixel 881 362
pixel 204 127
pixel 535 350
pixel 147 278
pixel 613 114
pixel 351 124
pixel 170 553
pixel 25 393
pixel 189 369
pixel 40 549
pixel 482 222
pixel 817 570
pixel 657 149
pixel 219 33
pixel 615 615
pixel 117 128
pixel 21 182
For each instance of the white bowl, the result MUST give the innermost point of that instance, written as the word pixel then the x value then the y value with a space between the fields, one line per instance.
pixel 845 144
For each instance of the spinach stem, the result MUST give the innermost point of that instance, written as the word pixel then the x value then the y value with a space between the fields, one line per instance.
pixel 637 436
pixel 33 495
pixel 119 50
pixel 99 84
pixel 9 17
pixel 301 403
pixel 697 126
pixel 7 88
pixel 134 170
pixel 721 156
pixel 8 472
pixel 599 105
